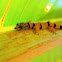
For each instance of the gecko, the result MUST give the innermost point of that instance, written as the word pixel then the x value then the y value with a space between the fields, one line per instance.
pixel 38 26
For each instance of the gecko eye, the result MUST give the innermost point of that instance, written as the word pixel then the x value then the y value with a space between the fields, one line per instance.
pixel 20 27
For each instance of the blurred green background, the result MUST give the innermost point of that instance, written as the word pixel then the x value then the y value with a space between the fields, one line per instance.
pixel 33 10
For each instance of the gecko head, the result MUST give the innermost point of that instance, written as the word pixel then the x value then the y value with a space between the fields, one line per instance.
pixel 23 26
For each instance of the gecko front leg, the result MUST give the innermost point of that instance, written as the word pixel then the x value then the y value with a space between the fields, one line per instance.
pixel 36 29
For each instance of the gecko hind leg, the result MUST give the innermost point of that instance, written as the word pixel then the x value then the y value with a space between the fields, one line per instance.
pixel 52 29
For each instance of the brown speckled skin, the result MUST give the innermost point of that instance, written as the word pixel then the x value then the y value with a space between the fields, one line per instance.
pixel 44 26
pixel 36 28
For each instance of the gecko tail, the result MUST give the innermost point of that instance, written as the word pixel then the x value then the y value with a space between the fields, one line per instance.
pixel 60 27
pixel 56 26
